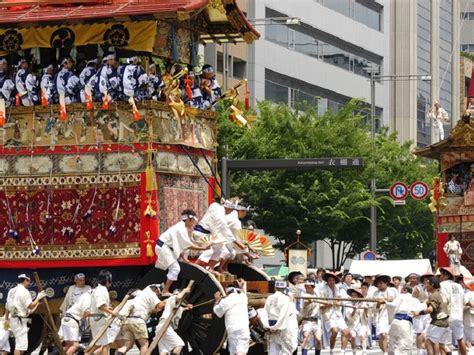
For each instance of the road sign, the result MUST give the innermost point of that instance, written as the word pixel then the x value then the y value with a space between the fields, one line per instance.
pixel 399 191
pixel 419 190
pixel 309 163
pixel 399 202
pixel 369 255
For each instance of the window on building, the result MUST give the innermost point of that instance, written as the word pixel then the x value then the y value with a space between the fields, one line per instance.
pixel 367 12
pixel 276 92
pixel 313 46
pixel 239 68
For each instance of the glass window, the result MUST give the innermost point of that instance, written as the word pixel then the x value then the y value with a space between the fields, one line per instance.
pixel 277 33
pixel 366 16
pixel 306 44
pixel 341 6
pixel 276 92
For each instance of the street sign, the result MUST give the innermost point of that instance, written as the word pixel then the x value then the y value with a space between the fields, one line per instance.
pixel 399 202
pixel 399 191
pixel 369 255
pixel 305 163
pixel 419 190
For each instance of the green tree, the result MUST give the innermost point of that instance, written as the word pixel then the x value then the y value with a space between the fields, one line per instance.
pixel 333 204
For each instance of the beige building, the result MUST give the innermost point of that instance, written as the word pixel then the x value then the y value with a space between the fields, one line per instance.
pixel 321 60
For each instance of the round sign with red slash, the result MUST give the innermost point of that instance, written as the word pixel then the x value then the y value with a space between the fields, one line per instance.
pixel 419 190
pixel 399 191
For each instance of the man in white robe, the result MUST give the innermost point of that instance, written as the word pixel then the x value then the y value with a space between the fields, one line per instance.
pixel 333 319
pixel 234 307
pixel 278 309
pixel 171 245
pixel 400 312
pixel 214 225
pixel 453 250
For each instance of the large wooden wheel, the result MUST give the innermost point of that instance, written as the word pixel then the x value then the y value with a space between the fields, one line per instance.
pixel 202 332
pixel 248 272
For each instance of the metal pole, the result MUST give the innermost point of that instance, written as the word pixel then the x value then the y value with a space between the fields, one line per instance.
pixel 224 176
pixel 373 209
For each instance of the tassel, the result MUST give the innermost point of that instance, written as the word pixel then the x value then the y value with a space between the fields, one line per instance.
pixel 136 113
pixel 44 100
pixel 246 96
pixel 187 86
pixel 149 211
pixel 149 249
pixel 2 119
pixel 105 101
pixel 17 100
pixel 2 112
pixel 63 116
pixel 89 103
pixel 150 177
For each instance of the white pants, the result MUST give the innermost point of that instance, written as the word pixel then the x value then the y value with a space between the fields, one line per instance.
pixel 238 341
pixel 438 131
pixel 96 326
pixel 19 329
pixel 400 336
pixel 69 330
pixel 169 340
pixel 214 253
pixel 4 335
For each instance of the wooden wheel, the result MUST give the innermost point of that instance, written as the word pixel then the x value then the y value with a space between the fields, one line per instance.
pixel 201 331
pixel 248 272
pixel 35 332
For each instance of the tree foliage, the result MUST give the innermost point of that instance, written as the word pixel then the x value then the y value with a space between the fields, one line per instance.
pixel 331 204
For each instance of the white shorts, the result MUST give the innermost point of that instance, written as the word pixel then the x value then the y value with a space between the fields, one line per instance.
pixel 310 326
pixel 382 326
pixel 421 324
pixel 96 326
pixel 469 333
pixel 360 331
pixel 19 329
pixel 336 321
pixel 4 342
pixel 69 330
pixel 238 341
pixel 169 340
pixel 438 335
pixel 457 328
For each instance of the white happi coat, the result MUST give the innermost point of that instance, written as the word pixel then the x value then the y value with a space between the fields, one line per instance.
pixel 401 331
pixel 454 295
pixel 279 309
pixel 72 296
pixel 235 309
pixel 235 226
pixel 214 220
pixel 332 316
pixel 176 240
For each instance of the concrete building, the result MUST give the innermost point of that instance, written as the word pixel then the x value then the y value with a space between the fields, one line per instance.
pixel 467 30
pixel 424 41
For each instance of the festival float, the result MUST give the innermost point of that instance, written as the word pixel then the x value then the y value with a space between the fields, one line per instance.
pixel 452 193
pixel 89 186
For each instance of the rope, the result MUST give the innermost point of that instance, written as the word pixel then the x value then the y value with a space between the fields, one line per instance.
pixel 198 169
pixel 213 172
pixel 458 35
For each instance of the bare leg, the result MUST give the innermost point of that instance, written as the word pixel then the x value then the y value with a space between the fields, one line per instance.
pixel 166 288
pixel 383 344
pixel 344 339
pixel 462 349
pixel 332 339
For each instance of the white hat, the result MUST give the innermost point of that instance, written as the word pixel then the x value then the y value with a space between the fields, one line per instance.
pixel 187 216
pixel 65 60
pixel 229 204
pixel 24 276
pixel 132 60
pixel 252 313
pixel 79 276
pixel 91 62
pixel 281 284
pixel 23 60
pixel 45 70
pixel 110 56
pixel 230 289
pixel 3 61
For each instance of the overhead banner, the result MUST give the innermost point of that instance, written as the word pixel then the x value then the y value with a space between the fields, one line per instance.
pixel 131 35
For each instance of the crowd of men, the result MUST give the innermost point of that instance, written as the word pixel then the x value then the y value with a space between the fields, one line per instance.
pixel 106 80
pixel 422 314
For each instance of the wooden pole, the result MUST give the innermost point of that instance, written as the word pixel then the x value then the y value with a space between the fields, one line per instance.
pixel 105 326
pixel 56 338
pixel 166 324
